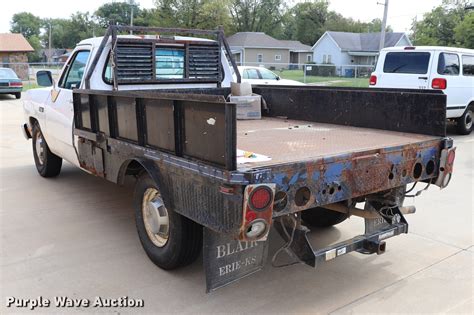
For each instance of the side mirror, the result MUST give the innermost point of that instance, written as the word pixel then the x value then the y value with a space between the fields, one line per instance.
pixel 44 78
pixel 278 78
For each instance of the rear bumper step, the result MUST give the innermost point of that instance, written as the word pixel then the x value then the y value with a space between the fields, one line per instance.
pixel 364 244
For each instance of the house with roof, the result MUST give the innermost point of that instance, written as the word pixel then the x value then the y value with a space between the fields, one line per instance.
pixel 13 53
pixel 54 54
pixel 260 49
pixel 351 49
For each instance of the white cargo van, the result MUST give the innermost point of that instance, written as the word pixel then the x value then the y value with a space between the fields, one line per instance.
pixel 441 68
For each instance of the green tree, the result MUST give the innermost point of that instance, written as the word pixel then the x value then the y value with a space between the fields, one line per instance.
pixel 464 32
pixel 30 26
pixel 26 24
pixel 257 16
pixel 201 14
pixel 306 21
pixel 437 27
pixel 117 12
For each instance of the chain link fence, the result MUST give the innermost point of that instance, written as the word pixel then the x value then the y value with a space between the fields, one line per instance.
pixel 317 74
pixel 311 74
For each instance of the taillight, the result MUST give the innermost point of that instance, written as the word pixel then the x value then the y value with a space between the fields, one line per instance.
pixel 439 84
pixel 16 84
pixel 446 167
pixel 257 212
pixel 451 156
pixel 373 80
pixel 409 48
pixel 260 198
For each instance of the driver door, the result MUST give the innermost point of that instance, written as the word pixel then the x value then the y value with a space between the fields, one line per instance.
pixel 60 110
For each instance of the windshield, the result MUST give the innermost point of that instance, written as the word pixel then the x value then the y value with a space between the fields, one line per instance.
pixel 6 73
pixel 267 74
pixel 407 62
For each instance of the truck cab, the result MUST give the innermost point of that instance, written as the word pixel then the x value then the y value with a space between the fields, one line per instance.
pixel 52 105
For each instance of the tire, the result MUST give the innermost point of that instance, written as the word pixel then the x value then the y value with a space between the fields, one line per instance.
pixel 47 163
pixel 320 217
pixel 465 122
pixel 18 95
pixel 183 241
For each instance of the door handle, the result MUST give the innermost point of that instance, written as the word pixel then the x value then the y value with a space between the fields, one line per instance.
pixel 423 78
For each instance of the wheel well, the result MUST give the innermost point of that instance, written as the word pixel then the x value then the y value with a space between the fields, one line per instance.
pixel 129 168
pixel 33 121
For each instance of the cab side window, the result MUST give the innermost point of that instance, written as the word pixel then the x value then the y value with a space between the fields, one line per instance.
pixel 468 65
pixel 75 71
pixel 251 74
pixel 448 64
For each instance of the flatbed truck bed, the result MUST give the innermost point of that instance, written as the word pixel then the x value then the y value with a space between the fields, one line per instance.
pixel 286 141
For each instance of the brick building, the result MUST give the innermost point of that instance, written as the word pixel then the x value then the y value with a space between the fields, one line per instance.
pixel 13 50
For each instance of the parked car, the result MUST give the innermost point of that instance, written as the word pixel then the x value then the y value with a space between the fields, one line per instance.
pixel 9 82
pixel 450 70
pixel 261 75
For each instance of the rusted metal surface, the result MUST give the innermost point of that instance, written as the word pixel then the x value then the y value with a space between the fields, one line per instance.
pixel 286 141
pixel 343 177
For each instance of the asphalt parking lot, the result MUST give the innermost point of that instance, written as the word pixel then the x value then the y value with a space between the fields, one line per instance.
pixel 75 236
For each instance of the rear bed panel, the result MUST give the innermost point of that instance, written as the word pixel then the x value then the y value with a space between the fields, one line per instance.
pixel 332 179
pixel 397 110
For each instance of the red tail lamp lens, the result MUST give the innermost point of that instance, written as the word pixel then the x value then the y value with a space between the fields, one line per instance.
pixel 451 156
pixel 373 80
pixel 250 216
pixel 439 84
pixel 260 198
pixel 16 84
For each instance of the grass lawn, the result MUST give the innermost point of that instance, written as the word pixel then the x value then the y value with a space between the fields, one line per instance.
pixel 29 85
pixel 298 75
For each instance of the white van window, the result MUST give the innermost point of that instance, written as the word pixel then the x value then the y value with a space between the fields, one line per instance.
pixel 406 62
pixel 448 64
pixel 468 65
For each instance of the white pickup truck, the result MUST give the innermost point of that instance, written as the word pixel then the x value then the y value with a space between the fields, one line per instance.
pixel 51 107
pixel 156 108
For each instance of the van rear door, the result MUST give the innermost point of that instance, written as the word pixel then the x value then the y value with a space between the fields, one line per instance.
pixel 405 69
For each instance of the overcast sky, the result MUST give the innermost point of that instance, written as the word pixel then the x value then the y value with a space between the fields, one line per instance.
pixel 401 12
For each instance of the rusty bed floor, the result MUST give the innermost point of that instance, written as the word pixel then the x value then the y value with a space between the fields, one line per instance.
pixel 295 140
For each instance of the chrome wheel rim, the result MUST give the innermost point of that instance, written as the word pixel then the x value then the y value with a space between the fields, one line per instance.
pixel 468 120
pixel 155 217
pixel 39 148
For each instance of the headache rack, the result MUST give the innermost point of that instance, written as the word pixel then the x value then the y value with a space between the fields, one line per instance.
pixel 134 60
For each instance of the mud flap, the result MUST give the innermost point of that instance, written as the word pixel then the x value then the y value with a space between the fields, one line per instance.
pixel 227 260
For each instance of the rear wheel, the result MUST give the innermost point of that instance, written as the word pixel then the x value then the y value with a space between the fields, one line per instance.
pixel 18 95
pixel 321 217
pixel 47 163
pixel 464 123
pixel 169 239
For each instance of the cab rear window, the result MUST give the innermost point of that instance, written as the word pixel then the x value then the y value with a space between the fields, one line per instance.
pixel 407 62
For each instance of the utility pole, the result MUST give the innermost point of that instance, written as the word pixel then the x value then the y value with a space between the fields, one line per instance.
pixel 132 3
pixel 384 25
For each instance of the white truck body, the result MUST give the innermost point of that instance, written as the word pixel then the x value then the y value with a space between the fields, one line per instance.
pixel 52 106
